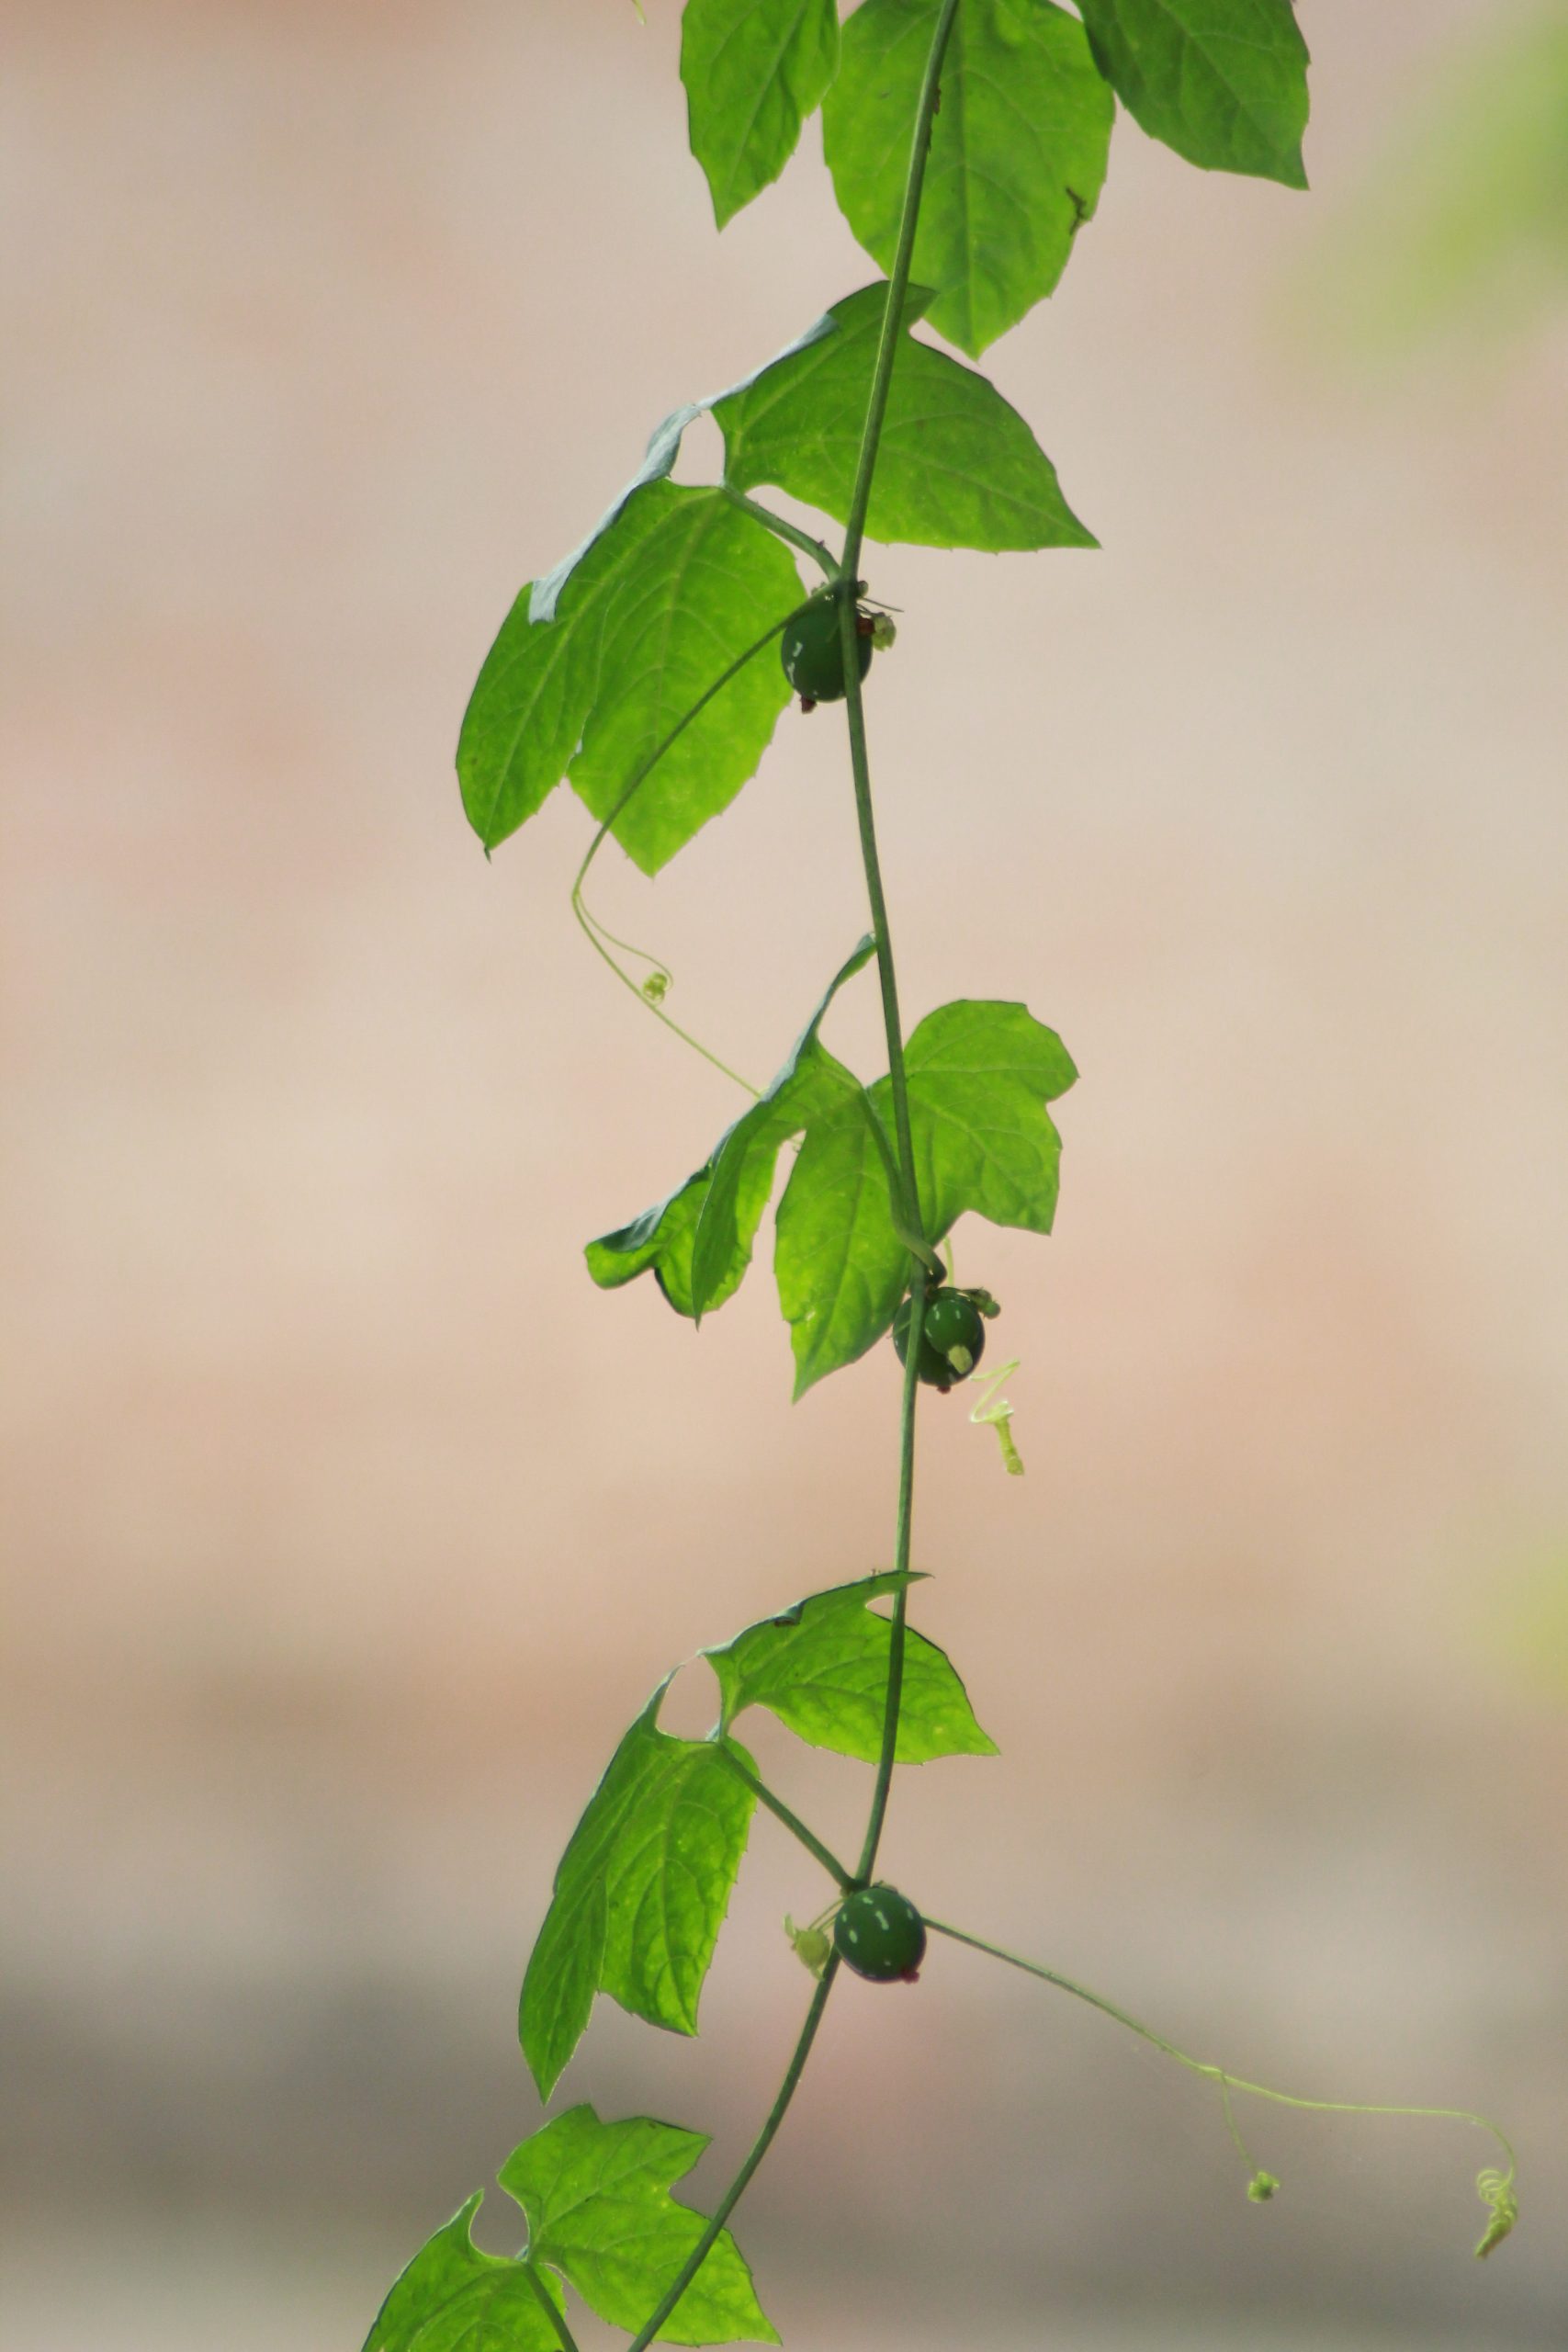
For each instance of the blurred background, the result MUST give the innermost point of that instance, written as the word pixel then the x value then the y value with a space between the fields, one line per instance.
pixel 348 1525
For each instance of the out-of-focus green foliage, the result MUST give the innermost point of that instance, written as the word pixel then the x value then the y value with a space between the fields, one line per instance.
pixel 1526 1625
pixel 1461 225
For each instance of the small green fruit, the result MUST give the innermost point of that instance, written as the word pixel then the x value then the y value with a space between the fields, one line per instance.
pixel 953 1337
pixel 880 1935
pixel 812 652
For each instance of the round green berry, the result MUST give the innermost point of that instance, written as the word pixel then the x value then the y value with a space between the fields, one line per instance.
pixel 953 1337
pixel 812 652
pixel 880 1935
pixel 953 1323
pixel 933 1369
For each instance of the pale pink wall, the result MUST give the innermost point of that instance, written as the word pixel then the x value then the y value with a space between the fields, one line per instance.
pixel 348 1524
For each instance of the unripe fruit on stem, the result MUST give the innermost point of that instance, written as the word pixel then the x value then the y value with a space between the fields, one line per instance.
pixel 812 652
pixel 880 1935
pixel 953 1337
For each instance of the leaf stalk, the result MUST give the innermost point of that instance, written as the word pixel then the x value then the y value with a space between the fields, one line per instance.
pixel 792 1821
pixel 552 2312
pixel 821 555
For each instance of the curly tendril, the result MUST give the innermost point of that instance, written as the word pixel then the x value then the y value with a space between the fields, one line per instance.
pixel 999 1416
pixel 1496 2189
pixel 652 988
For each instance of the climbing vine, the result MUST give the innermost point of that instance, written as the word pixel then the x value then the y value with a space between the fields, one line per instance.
pixel 967 141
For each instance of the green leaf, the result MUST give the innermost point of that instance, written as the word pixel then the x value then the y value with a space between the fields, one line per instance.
pixel 822 1669
pixel 658 1242
pixel 979 1076
pixel 640 1893
pixel 597 2197
pixel 453 2297
pixel 840 1268
pixel 753 71
pixel 697 1242
pixel 1223 82
pixel 720 582
pixel 599 2210
pixel 596 662
pixel 957 466
pixel 741 1177
pixel 1018 152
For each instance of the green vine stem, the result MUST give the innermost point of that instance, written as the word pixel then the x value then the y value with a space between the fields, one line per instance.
pixel 876 410
pixel 759 2149
pixel 915 1244
pixel 897 289
pixel 1494 2189
pixel 899 1624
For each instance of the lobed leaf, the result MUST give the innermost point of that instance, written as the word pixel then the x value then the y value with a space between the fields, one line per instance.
pixel 599 2208
pixel 957 466
pixel 453 2297
pixel 640 1893
pixel 1018 154
pixel 1223 82
pixel 753 71
pixel 697 1242
pixel 595 662
pixel 979 1076
pixel 822 1669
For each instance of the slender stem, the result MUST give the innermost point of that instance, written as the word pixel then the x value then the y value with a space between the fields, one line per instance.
pixel 897 288
pixel 780 1812
pixel 871 437
pixel 1243 2151
pixel 860 763
pixel 1082 1993
pixel 860 758
pixel 820 555
pixel 912 1241
pixel 564 2336
pixel 759 2149
pixel 896 1644
pixel 860 501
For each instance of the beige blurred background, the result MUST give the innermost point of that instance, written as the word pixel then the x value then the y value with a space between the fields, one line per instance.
pixel 348 1524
